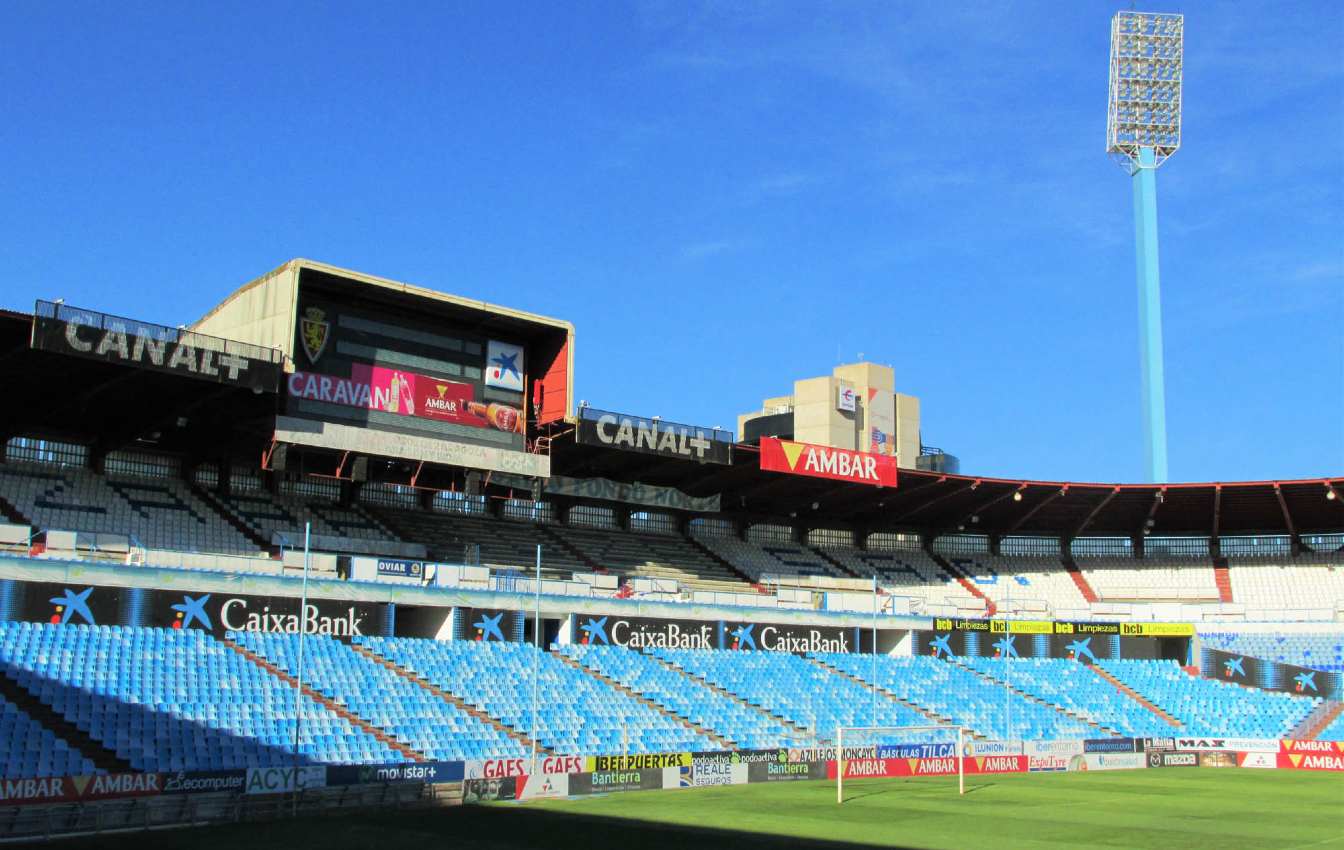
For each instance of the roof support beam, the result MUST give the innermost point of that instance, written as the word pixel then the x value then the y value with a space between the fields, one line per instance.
pixel 1294 541
pixel 1093 514
pixel 936 499
pixel 1149 521
pixel 981 508
pixel 1214 546
pixel 1034 508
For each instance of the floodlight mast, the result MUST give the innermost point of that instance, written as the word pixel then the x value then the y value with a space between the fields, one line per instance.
pixel 1143 130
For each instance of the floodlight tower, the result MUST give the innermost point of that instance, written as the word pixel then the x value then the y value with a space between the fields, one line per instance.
pixel 1143 129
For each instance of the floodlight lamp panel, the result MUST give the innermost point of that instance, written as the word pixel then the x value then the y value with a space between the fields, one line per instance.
pixel 1144 103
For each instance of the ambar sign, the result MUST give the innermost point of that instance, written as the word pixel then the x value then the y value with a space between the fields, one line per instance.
pixel 825 462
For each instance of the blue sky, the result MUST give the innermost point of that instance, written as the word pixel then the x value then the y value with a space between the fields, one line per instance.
pixel 724 197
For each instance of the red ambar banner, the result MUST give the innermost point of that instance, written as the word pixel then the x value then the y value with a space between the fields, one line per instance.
pixel 1290 746
pixel 1312 761
pixel 866 768
pixel 825 462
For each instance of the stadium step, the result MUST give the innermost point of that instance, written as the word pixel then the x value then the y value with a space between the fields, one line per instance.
pixel 327 702
pixel 726 743
pixel 454 699
pixel 12 514
pixel 91 748
pixel 777 718
pixel 933 716
pixel 997 682
pixel 844 571
pixel 228 516
pixel 1076 573
pixel 1313 724
pixel 574 551
pixel 964 580
pixel 1223 579
pixel 723 562
pixel 1134 695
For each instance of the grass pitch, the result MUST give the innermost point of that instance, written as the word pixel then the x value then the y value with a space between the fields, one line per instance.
pixel 1173 808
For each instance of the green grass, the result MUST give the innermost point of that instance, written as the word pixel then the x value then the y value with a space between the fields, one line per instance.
pixel 1225 809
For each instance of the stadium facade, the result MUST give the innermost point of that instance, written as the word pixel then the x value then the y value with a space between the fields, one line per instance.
pixel 695 594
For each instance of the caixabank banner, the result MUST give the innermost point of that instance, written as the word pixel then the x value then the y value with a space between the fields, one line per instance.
pixel 642 632
pixel 216 613
pixel 486 625
pixel 1270 675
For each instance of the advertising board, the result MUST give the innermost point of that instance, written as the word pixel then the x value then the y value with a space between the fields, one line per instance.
pixel 1110 745
pixel 69 789
pixel 825 462
pixel 645 761
pixel 92 335
pixel 431 773
pixel 284 780
pixel 707 773
pixel 619 779
pixel 216 613
pixel 1168 758
pixel 653 436
pixel 1108 761
pixel 786 771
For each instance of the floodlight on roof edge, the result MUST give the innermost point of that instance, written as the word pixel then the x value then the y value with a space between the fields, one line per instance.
pixel 1143 130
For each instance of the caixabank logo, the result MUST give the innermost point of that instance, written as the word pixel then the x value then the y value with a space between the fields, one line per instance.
pixel 72 606
pixel 798 640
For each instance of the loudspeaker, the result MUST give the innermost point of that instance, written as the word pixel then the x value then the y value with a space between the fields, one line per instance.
pixel 359 470
pixel 280 457
pixel 473 483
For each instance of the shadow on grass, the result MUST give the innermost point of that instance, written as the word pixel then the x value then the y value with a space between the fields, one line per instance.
pixel 902 788
pixel 485 827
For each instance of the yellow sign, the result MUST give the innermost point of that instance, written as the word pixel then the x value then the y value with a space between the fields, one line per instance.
pixel 638 762
pixel 1157 629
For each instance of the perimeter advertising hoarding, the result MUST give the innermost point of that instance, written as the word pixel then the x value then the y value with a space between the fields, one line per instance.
pixel 1079 641
pixel 1269 675
pixel 486 625
pixel 642 632
pixel 111 339
pixel 1312 755
pixel 825 462
pixel 430 773
pixel 214 612
pixel 73 789
pixel 653 436
pixel 786 771
pixel 875 767
pixel 605 781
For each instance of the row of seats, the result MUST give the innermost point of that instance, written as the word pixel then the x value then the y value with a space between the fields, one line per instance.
pixel 1317 651
pixel 165 699
pixel 1212 707
pixel 158 513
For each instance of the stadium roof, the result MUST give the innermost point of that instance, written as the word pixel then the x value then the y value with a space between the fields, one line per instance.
pixel 111 406
pixel 939 503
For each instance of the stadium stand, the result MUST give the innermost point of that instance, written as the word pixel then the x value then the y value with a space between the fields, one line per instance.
pixel 29 749
pixel 1075 688
pixel 805 694
pixel 1029 586
pixel 118 512
pixel 579 714
pixel 958 693
pixel 739 723
pixel 1314 583
pixel 408 713
pixel 1211 707
pixel 664 557
pixel 1130 580
pixel 168 699
pixel 773 560
pixel 1316 651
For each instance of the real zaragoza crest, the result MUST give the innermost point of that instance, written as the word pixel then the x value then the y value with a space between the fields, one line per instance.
pixel 314 330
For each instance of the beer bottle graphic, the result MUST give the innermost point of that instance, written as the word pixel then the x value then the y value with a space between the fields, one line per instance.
pixel 394 394
pixel 501 416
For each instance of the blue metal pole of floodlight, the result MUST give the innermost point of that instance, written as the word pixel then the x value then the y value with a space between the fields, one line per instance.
pixel 1152 380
